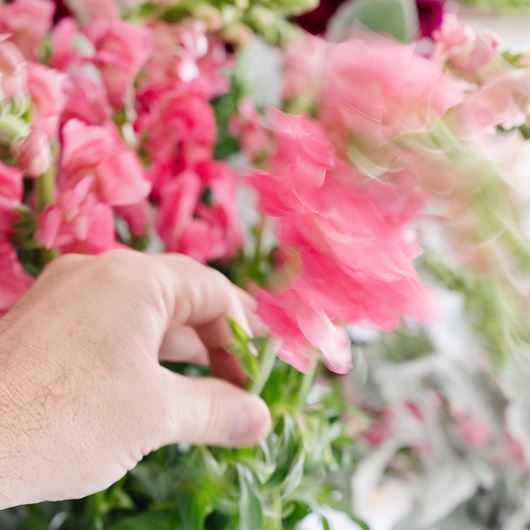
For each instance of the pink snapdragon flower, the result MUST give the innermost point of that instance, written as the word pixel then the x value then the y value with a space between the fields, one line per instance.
pixel 178 131
pixel 378 89
pixel 46 88
pixel 28 22
pixel 33 154
pixel 351 248
pixel 301 330
pixel 77 222
pixel 462 47
pixel 63 44
pixel 303 62
pixel 504 100
pixel 121 49
pixel 15 281
pixel 86 100
pixel 13 70
pixel 10 196
pixel 206 229
pixel 182 54
pixel 96 151
pixel 246 127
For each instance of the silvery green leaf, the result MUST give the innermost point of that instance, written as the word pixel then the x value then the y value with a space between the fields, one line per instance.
pixel 397 18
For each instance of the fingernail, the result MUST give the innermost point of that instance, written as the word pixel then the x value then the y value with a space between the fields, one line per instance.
pixel 252 424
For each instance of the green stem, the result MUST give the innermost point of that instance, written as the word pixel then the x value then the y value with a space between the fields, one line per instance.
pixel 254 267
pixel 307 382
pixel 267 364
pixel 45 189
pixel 45 194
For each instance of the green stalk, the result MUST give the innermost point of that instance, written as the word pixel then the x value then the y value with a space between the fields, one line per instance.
pixel 265 369
pixel 45 194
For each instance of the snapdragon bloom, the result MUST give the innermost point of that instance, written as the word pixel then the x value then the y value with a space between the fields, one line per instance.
pixel 77 222
pixel 27 22
pixel 351 249
pixel 97 151
pixel 121 49
pixel 14 280
pixel 197 213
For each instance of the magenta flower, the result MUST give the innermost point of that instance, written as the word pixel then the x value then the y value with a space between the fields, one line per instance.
pixel 430 16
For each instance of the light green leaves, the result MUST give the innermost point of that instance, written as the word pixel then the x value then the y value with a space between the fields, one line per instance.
pixel 397 18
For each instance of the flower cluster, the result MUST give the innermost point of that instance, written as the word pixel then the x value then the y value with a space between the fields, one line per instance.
pixel 118 125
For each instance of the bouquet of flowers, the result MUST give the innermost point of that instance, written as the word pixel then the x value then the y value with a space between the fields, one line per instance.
pixel 312 172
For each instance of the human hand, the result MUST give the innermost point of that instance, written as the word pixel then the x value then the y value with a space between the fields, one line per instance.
pixel 82 395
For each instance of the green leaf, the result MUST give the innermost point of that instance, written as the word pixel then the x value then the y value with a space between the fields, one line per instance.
pixel 397 18
pixel 250 504
pixel 146 521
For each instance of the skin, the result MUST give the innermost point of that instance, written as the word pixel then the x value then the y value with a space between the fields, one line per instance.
pixel 83 396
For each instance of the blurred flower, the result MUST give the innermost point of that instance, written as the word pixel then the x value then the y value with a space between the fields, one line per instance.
pixel 397 91
pixel 183 54
pixel 13 70
pixel 63 44
pixel 302 331
pixel 97 151
pixel 10 195
pixel 121 49
pixel 178 130
pixel 77 222
pixel 86 100
pixel 462 47
pixel 430 16
pixel 88 10
pixel 46 88
pixel 197 213
pixel 351 249
pixel 245 126
pixel 14 280
pixel 303 61
pixel 27 22
pixel 33 154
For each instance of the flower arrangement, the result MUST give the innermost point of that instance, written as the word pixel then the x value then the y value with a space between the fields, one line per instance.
pixel 380 176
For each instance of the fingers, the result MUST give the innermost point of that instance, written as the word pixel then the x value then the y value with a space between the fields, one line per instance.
pixel 211 412
pixel 182 344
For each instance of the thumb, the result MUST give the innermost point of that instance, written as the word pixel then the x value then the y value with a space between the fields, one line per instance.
pixel 208 411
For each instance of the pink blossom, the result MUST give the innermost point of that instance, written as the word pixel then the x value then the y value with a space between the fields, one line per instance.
pixel 33 154
pixel 505 100
pixel 10 196
pixel 351 249
pixel 46 88
pixel 377 89
pixel 245 126
pixel 302 330
pixel 13 73
pixel 77 222
pixel 303 63
pixel 184 54
pixel 86 100
pixel 136 216
pixel 64 52
pixel 13 280
pixel 121 49
pixel 205 230
pixel 462 47
pixel 178 128
pixel 28 22
pixel 90 150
